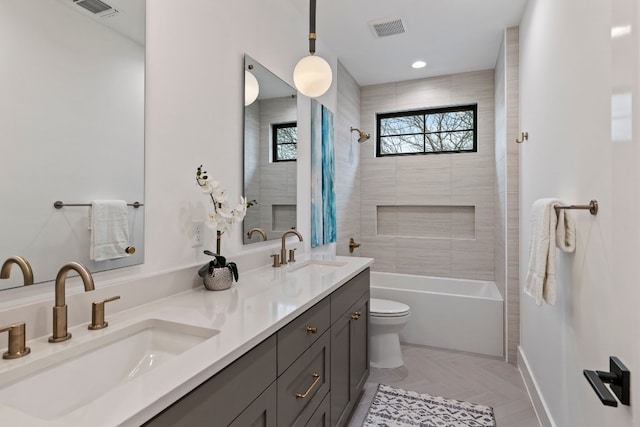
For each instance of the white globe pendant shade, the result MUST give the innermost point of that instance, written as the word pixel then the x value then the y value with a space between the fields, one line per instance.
pixel 251 88
pixel 312 76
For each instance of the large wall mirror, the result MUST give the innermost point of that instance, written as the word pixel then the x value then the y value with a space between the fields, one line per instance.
pixel 270 153
pixel 71 128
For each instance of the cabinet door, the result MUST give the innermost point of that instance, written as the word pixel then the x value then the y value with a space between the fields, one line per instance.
pixel 321 418
pixel 340 376
pixel 359 347
pixel 262 412
pixel 349 359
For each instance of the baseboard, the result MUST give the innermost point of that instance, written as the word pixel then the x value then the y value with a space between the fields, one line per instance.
pixel 537 401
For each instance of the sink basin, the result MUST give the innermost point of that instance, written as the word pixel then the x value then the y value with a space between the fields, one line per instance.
pixel 86 371
pixel 317 266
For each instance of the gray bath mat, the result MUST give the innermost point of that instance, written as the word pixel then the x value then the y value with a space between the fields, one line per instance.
pixel 394 407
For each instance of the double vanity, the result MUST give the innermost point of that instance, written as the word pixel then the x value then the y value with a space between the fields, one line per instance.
pixel 283 346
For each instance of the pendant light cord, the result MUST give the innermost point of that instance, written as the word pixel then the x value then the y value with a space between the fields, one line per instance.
pixel 312 27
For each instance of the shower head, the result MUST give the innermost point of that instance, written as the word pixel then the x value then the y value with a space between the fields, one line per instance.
pixel 362 136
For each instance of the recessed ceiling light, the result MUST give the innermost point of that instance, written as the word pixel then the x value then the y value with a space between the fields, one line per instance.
pixel 419 64
pixel 620 31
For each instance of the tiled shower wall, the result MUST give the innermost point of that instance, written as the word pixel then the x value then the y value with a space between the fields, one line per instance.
pixel 507 187
pixel 445 201
pixel 347 151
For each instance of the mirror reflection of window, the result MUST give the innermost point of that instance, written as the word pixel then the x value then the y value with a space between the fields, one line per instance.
pixel 270 154
pixel 285 142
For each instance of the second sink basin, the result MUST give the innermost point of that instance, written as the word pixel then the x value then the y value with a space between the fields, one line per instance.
pixel 86 371
pixel 317 266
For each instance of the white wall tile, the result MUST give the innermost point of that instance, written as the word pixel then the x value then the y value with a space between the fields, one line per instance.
pixel 432 180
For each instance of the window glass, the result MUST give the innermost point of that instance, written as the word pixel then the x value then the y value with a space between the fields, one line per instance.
pixel 285 142
pixel 435 130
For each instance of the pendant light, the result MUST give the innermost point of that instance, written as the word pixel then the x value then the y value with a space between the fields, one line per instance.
pixel 312 75
pixel 251 87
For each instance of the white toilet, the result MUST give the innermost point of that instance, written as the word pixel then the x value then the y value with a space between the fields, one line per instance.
pixel 387 318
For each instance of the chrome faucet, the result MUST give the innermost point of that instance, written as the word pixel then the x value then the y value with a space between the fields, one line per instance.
pixel 259 230
pixel 60 308
pixel 24 265
pixel 283 251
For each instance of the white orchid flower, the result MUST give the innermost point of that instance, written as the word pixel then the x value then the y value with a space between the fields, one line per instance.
pixel 222 217
pixel 206 187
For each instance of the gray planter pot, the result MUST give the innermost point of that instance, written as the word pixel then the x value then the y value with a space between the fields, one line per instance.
pixel 219 280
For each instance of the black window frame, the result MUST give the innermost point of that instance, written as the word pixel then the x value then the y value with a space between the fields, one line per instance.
pixel 274 141
pixel 426 111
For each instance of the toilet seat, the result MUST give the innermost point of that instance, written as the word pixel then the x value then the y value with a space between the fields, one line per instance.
pixel 385 308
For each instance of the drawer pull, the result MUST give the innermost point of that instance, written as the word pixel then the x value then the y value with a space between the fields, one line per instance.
pixel 312 329
pixel 306 393
pixel 356 315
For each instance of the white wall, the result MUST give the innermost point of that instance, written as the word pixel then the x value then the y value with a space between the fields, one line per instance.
pixel 195 51
pixel 193 116
pixel 566 87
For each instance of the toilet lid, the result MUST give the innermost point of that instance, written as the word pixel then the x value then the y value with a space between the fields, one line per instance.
pixel 383 307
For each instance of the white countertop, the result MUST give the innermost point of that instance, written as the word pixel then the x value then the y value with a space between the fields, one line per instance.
pixel 255 307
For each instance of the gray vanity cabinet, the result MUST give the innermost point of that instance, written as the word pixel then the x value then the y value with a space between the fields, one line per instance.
pixel 322 416
pixel 225 396
pixel 349 347
pixel 309 373
pixel 261 413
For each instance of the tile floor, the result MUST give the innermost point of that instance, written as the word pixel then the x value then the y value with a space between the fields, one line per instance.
pixel 456 375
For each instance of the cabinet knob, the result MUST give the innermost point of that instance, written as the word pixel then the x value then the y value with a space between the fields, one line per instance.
pixel 356 315
pixel 312 329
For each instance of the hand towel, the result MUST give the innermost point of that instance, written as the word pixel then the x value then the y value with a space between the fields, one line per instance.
pixel 540 282
pixel 109 229
pixel 565 232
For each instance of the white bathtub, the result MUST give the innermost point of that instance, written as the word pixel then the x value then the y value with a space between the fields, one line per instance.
pixel 457 314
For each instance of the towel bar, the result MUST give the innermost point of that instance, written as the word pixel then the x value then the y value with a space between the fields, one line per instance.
pixel 592 207
pixel 59 205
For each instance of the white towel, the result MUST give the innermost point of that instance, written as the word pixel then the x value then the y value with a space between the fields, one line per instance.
pixel 109 229
pixel 565 232
pixel 541 280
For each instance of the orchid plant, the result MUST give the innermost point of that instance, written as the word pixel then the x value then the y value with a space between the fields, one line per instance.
pixel 222 217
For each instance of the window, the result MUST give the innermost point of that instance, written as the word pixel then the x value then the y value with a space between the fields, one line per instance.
pixel 285 142
pixel 434 130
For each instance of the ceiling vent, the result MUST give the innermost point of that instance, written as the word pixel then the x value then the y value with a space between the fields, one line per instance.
pixel 387 27
pixel 96 7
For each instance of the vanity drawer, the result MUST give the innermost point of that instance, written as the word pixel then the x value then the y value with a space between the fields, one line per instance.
pixel 303 331
pixel 304 385
pixel 347 295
